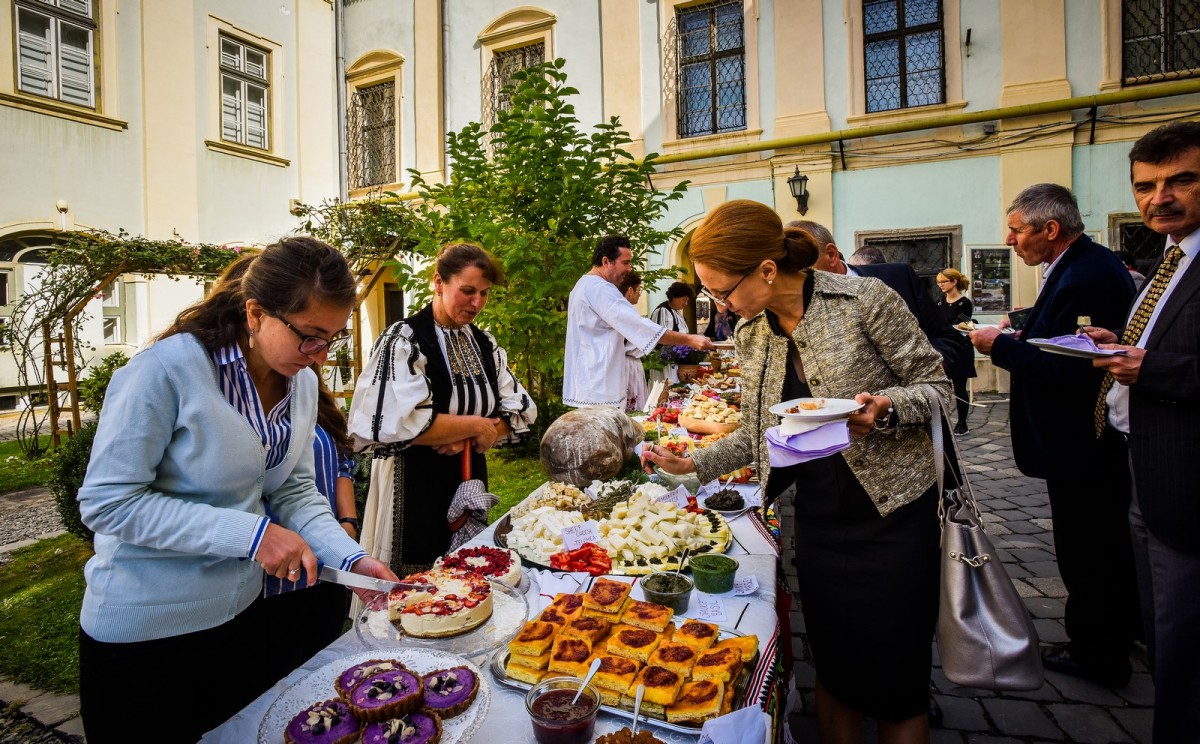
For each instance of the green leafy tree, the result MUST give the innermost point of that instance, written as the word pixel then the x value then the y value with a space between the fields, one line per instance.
pixel 537 190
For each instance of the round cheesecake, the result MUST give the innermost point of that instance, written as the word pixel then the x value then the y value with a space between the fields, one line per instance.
pixel 459 601
pixel 328 722
pixel 503 565
pixel 386 695
pixel 422 727
pixel 449 692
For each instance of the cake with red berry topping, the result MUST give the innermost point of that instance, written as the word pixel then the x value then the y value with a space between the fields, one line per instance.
pixel 458 601
pixel 327 722
pixel 495 563
pixel 449 692
pixel 422 727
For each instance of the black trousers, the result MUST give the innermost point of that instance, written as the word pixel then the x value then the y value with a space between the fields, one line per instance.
pixel 172 689
pixel 1095 553
pixel 961 399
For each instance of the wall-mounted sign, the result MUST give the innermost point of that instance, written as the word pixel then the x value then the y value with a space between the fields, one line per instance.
pixel 991 280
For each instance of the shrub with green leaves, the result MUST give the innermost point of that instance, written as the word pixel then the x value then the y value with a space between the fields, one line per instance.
pixel 93 387
pixel 69 468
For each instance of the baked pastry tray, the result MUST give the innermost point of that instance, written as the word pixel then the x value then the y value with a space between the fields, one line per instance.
pixel 499 662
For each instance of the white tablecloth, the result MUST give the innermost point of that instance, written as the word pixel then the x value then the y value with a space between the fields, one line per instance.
pixel 507 722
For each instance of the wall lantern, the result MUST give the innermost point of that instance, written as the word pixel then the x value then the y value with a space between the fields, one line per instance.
pixel 799 187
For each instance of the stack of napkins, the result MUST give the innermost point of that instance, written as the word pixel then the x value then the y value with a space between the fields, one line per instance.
pixel 1079 342
pixel 792 449
pixel 545 585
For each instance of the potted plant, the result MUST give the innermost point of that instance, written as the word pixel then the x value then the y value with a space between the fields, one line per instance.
pixel 685 358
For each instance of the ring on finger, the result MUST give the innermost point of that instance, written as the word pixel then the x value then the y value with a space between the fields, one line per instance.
pixel 293 571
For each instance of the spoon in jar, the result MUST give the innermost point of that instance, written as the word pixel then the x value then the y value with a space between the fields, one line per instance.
pixel 637 706
pixel 595 667
pixel 682 560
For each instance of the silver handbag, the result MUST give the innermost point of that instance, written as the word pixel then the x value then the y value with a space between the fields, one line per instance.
pixel 985 636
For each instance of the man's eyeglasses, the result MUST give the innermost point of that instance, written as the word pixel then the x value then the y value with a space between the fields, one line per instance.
pixel 723 301
pixel 315 344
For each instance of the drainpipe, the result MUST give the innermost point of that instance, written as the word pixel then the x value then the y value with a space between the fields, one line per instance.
pixel 1128 95
pixel 339 84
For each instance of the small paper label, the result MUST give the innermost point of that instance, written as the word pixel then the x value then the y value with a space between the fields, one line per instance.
pixel 678 497
pixel 710 608
pixel 578 534
pixel 678 431
pixel 745 586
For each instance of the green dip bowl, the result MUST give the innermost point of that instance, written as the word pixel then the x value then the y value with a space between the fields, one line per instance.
pixel 668 589
pixel 713 573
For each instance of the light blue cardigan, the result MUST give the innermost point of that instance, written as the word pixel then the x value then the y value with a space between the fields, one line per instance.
pixel 174 492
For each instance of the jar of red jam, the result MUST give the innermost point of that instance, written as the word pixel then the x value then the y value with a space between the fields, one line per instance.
pixel 556 720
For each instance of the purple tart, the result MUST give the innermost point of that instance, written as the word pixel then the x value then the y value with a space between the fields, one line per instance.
pixel 386 695
pixel 449 692
pixel 422 727
pixel 351 678
pixel 329 722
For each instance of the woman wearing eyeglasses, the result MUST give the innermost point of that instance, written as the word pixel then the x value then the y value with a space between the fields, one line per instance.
pixel 200 434
pixel 866 524
pixel 956 307
pixel 435 383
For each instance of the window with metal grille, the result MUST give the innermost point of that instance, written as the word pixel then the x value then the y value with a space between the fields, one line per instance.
pixel 372 130
pixel 504 65
pixel 55 43
pixel 903 56
pixel 1160 39
pixel 927 253
pixel 245 92
pixel 1145 244
pixel 711 63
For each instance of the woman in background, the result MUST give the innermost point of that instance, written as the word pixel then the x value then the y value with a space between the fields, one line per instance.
pixel 635 374
pixel 669 315
pixel 957 307
pixel 435 384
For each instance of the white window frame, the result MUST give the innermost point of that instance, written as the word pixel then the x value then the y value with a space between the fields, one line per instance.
pixel 77 14
pixel 236 70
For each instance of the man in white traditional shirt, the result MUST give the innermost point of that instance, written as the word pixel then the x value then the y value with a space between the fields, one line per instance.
pixel 599 323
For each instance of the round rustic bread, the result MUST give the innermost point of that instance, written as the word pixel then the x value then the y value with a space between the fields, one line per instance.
pixel 589 444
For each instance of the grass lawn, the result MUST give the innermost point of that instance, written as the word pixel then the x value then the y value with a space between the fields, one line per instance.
pixel 41 589
pixel 512 475
pixel 18 474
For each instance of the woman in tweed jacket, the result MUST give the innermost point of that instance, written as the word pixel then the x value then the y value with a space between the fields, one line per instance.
pixel 866 519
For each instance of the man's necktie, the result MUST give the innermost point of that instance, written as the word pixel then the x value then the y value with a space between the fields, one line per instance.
pixel 1137 325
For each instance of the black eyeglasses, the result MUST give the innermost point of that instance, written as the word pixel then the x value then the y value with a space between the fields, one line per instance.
pixel 315 344
pixel 724 301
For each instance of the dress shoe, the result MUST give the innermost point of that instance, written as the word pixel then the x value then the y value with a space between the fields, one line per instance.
pixel 960 429
pixel 1060 658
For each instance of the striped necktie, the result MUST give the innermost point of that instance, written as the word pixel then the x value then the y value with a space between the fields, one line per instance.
pixel 1137 325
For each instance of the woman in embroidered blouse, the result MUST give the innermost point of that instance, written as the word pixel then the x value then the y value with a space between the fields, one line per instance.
pixel 200 434
pixel 866 526
pixel 435 383
pixel 669 315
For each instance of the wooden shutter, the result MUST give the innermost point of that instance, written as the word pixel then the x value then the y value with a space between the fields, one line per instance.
pixel 75 64
pixel 35 46
pixel 231 109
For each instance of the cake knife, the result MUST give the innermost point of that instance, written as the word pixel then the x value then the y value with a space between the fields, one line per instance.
pixel 346 578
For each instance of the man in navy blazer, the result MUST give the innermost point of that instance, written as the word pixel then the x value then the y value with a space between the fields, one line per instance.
pixel 1156 402
pixel 1052 421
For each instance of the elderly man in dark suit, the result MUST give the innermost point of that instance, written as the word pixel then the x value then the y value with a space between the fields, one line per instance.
pixel 1155 402
pixel 1051 415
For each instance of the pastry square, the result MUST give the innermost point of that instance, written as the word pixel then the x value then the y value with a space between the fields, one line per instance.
pixel 570 605
pixel 606 595
pixel 662 685
pixel 727 702
pixel 570 656
pixel 613 617
pixel 615 673
pixel 524 674
pixel 534 639
pixel 718 663
pixel 633 643
pixel 609 697
pixel 530 662
pixel 590 629
pixel 678 657
pixel 696 634
pixel 697 701
pixel 647 615
pixel 747 645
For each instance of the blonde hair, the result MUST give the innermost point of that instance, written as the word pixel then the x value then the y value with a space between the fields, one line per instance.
pixel 955 276
pixel 739 235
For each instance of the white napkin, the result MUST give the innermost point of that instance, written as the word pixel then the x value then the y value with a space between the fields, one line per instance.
pixel 544 585
pixel 745 726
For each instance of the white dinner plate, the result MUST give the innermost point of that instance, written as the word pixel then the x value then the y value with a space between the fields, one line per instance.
pixel 979 327
pixel 318 686
pixel 835 408
pixel 1045 345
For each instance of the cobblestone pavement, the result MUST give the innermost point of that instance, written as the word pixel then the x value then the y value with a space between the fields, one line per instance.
pixel 25 515
pixel 1016 515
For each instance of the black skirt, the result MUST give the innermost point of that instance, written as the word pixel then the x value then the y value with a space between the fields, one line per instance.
pixel 868 587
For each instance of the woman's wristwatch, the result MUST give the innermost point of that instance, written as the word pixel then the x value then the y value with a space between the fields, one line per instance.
pixel 351 521
pixel 888 421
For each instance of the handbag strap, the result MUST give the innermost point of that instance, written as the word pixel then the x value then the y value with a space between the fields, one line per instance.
pixel 936 419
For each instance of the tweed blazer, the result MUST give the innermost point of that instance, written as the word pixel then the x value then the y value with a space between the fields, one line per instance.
pixel 856 336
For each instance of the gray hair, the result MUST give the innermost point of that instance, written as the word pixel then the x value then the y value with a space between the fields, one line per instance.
pixel 1042 202
pixel 819 232
pixel 866 256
